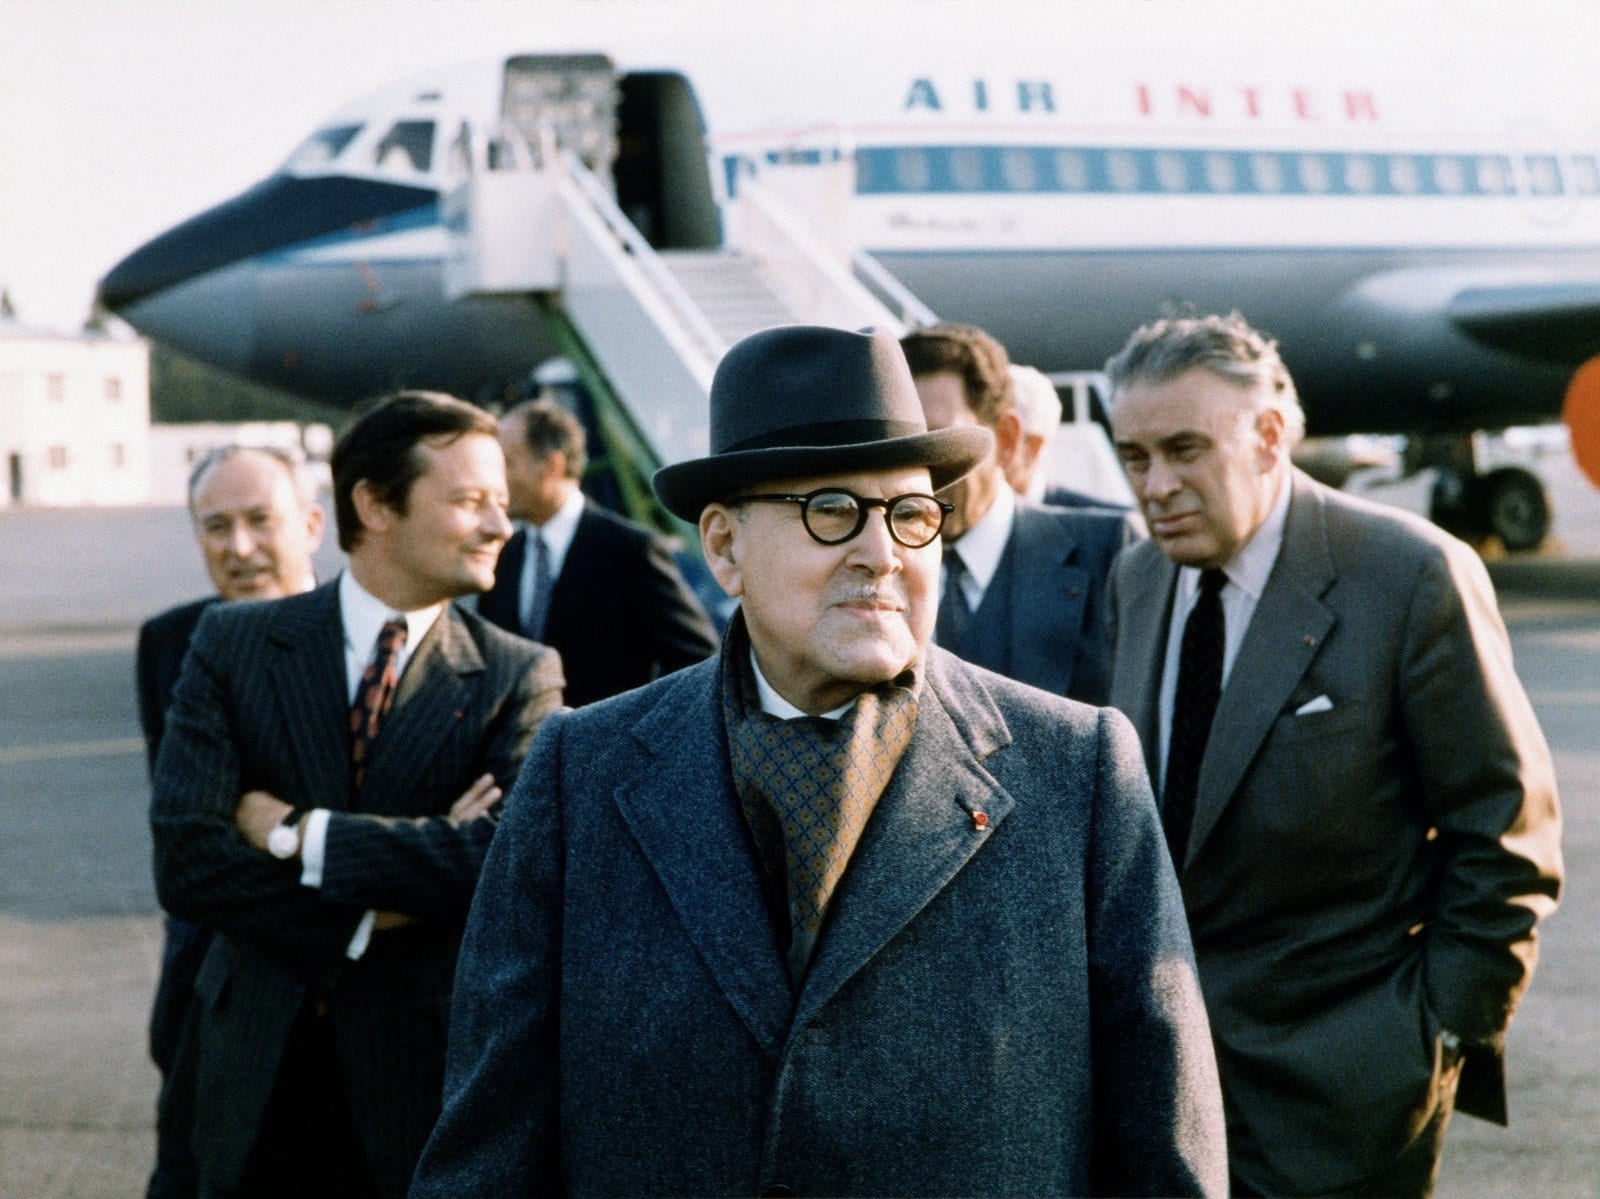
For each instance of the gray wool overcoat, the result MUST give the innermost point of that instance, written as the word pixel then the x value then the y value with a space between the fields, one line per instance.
pixel 1003 1001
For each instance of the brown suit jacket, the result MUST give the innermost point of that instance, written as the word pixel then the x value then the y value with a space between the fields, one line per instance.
pixel 1364 879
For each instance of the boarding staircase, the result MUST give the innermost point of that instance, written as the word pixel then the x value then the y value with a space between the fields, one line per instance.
pixel 645 328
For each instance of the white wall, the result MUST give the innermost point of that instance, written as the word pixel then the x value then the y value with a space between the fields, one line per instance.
pixel 74 420
pixel 174 449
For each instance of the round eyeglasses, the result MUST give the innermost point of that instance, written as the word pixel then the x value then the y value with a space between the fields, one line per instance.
pixel 833 515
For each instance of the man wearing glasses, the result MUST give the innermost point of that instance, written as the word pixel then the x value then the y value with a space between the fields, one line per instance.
pixel 833 912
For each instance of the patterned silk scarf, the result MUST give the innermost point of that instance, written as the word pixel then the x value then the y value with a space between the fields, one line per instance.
pixel 807 786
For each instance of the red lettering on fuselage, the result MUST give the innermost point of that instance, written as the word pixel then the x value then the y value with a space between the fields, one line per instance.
pixel 1252 102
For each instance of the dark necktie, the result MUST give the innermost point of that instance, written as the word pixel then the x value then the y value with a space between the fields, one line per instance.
pixel 539 597
pixel 1194 706
pixel 374 697
pixel 955 614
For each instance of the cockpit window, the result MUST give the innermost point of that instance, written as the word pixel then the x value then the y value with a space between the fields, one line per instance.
pixel 321 148
pixel 408 146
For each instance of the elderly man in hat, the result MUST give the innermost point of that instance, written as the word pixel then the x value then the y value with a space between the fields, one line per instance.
pixel 834 912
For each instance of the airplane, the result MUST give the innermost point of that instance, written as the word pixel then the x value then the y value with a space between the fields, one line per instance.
pixel 1421 233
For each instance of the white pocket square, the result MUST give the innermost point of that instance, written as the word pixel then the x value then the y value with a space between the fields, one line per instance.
pixel 1321 704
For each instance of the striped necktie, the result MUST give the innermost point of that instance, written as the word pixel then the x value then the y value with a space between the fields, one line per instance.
pixel 374 697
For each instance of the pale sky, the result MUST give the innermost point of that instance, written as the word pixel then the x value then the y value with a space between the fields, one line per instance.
pixel 120 118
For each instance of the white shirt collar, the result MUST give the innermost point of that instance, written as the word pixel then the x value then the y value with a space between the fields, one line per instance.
pixel 983 545
pixel 363 615
pixel 774 704
pixel 559 530
pixel 1249 569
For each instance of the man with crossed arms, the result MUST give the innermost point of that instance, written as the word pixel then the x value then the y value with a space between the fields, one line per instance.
pixel 368 726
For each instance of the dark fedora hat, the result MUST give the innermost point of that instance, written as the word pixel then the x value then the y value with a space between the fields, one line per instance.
pixel 805 400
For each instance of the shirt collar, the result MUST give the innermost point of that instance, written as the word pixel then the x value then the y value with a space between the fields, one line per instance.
pixel 982 546
pixel 363 615
pixel 559 530
pixel 774 704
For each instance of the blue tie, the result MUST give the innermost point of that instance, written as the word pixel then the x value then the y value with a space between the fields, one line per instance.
pixel 955 614
pixel 539 599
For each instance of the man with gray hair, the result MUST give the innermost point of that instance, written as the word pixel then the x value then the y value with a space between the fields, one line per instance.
pixel 1039 407
pixel 1354 788
pixel 255 516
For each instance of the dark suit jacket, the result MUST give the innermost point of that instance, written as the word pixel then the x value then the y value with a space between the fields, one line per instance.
pixel 163 642
pixel 1044 619
pixel 620 612
pixel 263 703
pixel 1065 497
pixel 1359 879
pixel 1001 1006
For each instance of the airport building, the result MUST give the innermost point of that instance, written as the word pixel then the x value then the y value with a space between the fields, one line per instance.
pixel 74 418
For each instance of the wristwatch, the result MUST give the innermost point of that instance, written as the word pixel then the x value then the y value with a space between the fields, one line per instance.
pixel 283 842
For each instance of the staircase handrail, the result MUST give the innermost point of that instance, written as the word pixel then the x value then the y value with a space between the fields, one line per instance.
pixel 899 298
pixel 826 265
pixel 683 307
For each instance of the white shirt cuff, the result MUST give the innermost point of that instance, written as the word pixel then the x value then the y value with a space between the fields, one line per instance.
pixel 361 937
pixel 314 848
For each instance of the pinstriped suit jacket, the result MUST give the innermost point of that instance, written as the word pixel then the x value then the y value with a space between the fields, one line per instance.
pixel 262 703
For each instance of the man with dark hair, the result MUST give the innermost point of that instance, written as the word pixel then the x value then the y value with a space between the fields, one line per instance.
pixel 323 801
pixel 603 592
pixel 255 516
pixel 1355 790
pixel 1022 586
pixel 834 913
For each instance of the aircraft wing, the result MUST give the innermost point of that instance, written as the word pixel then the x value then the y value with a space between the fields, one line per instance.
pixel 1550 322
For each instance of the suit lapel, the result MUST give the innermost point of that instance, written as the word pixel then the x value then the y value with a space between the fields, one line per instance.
pixel 1285 634
pixel 922 833
pixel 1045 584
pixel 571 586
pixel 1142 641
pixel 683 812
pixel 438 681
pixel 307 678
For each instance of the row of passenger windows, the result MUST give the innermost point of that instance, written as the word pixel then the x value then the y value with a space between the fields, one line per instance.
pixel 901 169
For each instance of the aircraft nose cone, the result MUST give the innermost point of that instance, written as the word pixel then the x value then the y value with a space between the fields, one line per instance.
pixel 216 238
pixel 276 214
pixel 210 316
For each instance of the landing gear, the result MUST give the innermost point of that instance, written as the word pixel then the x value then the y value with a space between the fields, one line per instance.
pixel 1511 504
pixel 1508 503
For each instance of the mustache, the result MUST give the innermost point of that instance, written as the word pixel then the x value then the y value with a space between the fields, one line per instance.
pixel 869 593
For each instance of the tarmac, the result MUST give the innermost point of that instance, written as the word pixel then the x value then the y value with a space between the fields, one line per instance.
pixel 80 930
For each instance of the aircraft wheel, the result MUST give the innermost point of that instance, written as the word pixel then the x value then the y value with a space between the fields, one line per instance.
pixel 1512 504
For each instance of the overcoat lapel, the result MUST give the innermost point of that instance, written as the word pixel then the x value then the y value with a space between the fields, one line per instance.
pixel 306 676
pixel 684 814
pixel 1045 582
pixel 439 680
pixel 1288 629
pixel 921 834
